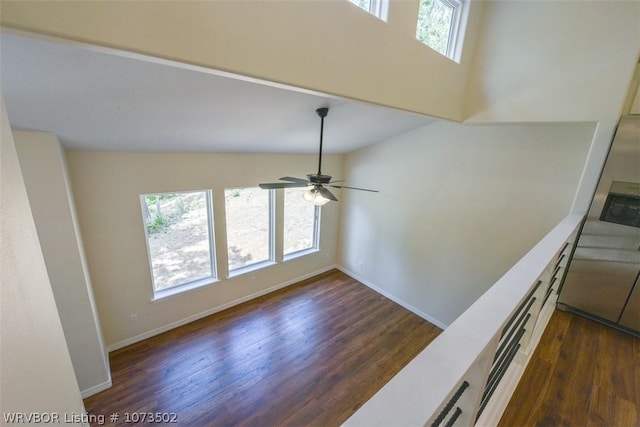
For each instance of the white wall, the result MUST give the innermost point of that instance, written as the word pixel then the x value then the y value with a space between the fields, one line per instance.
pixel 328 46
pixel 35 367
pixel 458 206
pixel 45 174
pixel 553 61
pixel 556 61
pixel 524 61
pixel 536 61
pixel 107 187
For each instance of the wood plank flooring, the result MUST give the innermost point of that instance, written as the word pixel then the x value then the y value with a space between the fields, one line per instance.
pixel 581 374
pixel 309 354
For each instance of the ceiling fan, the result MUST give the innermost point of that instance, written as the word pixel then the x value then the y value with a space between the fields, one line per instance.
pixel 317 193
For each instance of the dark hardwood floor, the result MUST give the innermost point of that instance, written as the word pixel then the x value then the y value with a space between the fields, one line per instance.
pixel 309 354
pixel 581 374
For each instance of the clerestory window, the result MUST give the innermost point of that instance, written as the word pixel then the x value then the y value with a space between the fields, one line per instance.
pixel 439 26
pixel 378 8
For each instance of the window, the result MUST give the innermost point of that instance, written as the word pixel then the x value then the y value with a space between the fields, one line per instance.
pixel 438 26
pixel 249 216
pixel 301 220
pixel 178 228
pixel 377 8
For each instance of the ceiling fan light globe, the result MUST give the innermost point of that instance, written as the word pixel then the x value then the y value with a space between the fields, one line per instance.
pixel 313 196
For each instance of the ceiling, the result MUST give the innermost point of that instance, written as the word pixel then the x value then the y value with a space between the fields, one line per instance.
pixel 98 99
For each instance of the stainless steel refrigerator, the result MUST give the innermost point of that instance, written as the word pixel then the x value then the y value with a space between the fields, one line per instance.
pixel 602 277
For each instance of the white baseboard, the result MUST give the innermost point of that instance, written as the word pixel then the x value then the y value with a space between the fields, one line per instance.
pixel 398 301
pixel 213 310
pixel 95 389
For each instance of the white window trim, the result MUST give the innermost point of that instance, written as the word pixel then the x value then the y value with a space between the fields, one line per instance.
pixel 193 284
pixel 238 271
pixel 183 289
pixel 454 43
pixel 377 8
pixel 456 30
pixel 250 268
pixel 316 239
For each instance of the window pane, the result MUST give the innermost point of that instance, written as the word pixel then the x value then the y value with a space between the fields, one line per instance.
pixel 299 221
pixel 178 237
pixel 248 216
pixel 362 4
pixel 434 24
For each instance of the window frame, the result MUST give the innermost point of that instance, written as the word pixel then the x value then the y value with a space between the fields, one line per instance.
pixel 456 34
pixel 380 9
pixel 258 265
pixel 190 285
pixel 315 247
pixel 377 8
pixel 454 30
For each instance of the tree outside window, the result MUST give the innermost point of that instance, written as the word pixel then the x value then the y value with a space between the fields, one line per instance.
pixel 435 24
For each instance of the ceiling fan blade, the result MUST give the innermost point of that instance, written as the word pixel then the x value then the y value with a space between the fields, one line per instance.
pixel 326 193
pixel 270 185
pixel 292 179
pixel 354 188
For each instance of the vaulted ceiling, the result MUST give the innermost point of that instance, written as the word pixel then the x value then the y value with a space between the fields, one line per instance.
pixel 97 99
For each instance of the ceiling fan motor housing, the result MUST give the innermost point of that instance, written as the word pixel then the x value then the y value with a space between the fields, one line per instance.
pixel 319 179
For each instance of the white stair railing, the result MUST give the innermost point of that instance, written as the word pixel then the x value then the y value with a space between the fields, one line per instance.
pixel 467 375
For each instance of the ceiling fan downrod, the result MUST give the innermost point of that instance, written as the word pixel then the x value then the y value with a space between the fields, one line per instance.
pixel 322 112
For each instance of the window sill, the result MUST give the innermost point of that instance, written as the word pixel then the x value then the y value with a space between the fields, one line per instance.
pixel 250 268
pixel 179 290
pixel 299 254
